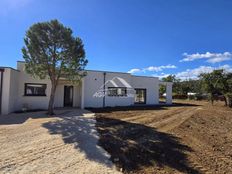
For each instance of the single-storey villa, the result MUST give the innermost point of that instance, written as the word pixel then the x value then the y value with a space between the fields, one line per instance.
pixel 19 90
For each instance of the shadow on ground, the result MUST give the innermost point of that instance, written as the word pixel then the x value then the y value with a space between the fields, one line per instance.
pixel 133 147
pixel 19 118
pixel 80 132
pixel 138 148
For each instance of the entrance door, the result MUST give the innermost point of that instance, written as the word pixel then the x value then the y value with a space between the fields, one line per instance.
pixel 68 96
pixel 140 96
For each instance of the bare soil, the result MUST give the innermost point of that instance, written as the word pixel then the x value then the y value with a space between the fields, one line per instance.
pixel 66 143
pixel 191 137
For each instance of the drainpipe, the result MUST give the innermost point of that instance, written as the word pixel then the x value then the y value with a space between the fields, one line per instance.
pixel 104 88
pixel 1 87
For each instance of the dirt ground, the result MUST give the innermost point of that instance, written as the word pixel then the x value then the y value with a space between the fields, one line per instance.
pixel 66 143
pixel 185 138
pixel 191 137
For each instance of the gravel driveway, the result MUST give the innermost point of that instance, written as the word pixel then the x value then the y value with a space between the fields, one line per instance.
pixel 67 143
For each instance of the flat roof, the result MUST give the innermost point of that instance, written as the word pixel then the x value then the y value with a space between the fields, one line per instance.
pixel 109 72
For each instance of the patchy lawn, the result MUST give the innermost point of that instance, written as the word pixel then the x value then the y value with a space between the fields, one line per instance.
pixel 186 138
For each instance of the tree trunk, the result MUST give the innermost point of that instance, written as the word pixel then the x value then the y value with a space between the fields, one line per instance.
pixel 51 100
pixel 225 99
pixel 230 101
pixel 211 98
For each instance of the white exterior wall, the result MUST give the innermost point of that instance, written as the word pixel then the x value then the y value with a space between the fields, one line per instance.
pixel 13 92
pixel 169 93
pixel 94 81
pixel 151 84
pixel 59 96
pixel 41 102
pixel 118 101
pixel 10 90
pixel 32 102
pixel 5 91
pixel 14 81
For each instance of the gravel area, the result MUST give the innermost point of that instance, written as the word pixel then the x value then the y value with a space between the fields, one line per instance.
pixel 66 143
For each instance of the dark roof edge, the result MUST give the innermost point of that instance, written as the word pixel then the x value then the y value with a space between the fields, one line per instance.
pixel 107 71
pixel 4 67
pixel 145 76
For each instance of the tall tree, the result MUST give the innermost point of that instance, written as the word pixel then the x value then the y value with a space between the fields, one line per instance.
pixel 214 83
pixel 52 51
pixel 228 89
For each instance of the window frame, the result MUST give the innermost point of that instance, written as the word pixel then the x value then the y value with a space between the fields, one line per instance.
pixel 145 95
pixel 117 95
pixel 41 95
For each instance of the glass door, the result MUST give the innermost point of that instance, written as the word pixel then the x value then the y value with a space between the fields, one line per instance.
pixel 68 96
pixel 140 96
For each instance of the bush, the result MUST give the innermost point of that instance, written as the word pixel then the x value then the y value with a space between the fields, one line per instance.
pixel 229 99
pixel 191 97
pixel 179 96
pixel 201 97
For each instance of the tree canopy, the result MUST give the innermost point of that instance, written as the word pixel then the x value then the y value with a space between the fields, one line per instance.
pixel 214 84
pixel 217 82
pixel 52 51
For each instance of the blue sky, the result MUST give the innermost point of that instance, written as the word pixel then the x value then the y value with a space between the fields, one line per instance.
pixel 145 37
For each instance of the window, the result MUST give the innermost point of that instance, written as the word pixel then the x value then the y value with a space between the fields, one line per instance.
pixel 35 89
pixel 116 91
pixel 140 96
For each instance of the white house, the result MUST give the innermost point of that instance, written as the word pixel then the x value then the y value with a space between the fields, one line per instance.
pixel 20 90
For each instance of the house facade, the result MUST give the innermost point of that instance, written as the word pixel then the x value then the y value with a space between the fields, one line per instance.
pixel 19 90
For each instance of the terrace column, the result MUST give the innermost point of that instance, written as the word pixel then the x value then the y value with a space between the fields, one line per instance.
pixel 169 93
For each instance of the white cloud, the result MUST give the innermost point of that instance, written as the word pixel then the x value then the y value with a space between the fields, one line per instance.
pixel 227 68
pixel 210 57
pixel 159 68
pixel 218 59
pixel 162 75
pixel 194 73
pixel 135 70
pixel 152 69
